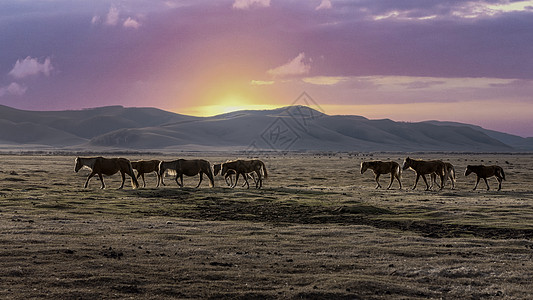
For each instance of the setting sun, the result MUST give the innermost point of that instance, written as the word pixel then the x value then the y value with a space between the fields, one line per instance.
pixel 226 104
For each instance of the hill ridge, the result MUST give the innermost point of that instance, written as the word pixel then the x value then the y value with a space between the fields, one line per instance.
pixel 298 128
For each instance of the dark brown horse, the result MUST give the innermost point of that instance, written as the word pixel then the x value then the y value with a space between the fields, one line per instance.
pixel 146 166
pixel 450 171
pixel 191 167
pixel 485 172
pixel 424 167
pixel 106 166
pixel 383 167
pixel 243 167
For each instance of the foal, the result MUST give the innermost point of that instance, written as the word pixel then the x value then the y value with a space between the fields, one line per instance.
pixel 383 167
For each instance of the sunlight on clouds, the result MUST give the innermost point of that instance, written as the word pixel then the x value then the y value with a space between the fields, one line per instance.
pixel 131 23
pixel 296 66
pixel 261 82
pixel 477 9
pixel 325 4
pixel 325 80
pixel 245 4
pixel 31 66
pixel 13 89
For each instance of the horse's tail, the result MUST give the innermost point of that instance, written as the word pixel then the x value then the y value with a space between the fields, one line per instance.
pixel 210 175
pixel 134 182
pixel 264 169
pixel 452 172
pixel 502 173
pixel 399 171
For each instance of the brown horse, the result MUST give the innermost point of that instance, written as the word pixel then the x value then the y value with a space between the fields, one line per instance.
pixel 450 170
pixel 424 167
pixel 191 167
pixel 106 166
pixel 146 166
pixel 383 167
pixel 218 167
pixel 242 167
pixel 485 172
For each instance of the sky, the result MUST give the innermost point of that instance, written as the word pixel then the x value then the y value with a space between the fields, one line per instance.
pixel 405 60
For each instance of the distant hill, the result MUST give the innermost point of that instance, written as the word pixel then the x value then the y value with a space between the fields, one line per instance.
pixel 296 128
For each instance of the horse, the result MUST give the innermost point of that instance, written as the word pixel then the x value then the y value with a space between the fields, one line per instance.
pixel 242 167
pixel 106 166
pixel 383 167
pixel 146 166
pixel 485 172
pixel 450 170
pixel 191 167
pixel 218 167
pixel 424 167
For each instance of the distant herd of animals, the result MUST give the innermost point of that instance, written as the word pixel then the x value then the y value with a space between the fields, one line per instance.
pixel 256 170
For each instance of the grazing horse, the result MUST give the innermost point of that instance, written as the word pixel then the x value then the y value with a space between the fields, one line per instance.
pixel 106 166
pixel 218 167
pixel 485 172
pixel 383 167
pixel 146 166
pixel 450 170
pixel 191 167
pixel 424 167
pixel 242 167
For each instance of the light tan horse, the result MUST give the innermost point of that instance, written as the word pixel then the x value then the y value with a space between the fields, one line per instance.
pixel 191 167
pixel 424 167
pixel 146 166
pixel 383 167
pixel 106 166
pixel 450 171
pixel 229 175
pixel 242 167
pixel 485 172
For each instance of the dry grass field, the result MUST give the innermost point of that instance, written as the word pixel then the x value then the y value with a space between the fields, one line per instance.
pixel 317 230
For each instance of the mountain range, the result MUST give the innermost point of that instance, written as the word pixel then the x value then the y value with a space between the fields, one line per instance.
pixel 292 128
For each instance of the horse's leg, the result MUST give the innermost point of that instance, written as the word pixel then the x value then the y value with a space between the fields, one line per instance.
pixel 259 181
pixel 426 182
pixel 377 180
pixel 500 183
pixel 230 183
pixel 89 178
pixel 487 183
pixel 416 181
pixel 246 180
pixel 399 180
pixel 477 182
pixel 141 175
pixel 158 179
pixel 391 180
pixel 102 180
pixel 442 181
pixel 123 180
pixel 201 177
pixel 236 179
pixel 177 182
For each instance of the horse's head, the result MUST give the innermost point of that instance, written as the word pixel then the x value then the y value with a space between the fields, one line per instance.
pixel 224 167
pixel 406 163
pixel 468 170
pixel 216 168
pixel 364 167
pixel 79 165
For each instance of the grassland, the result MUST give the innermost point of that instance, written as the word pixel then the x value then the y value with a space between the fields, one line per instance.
pixel 318 230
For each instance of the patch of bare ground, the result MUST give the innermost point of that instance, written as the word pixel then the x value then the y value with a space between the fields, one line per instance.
pixel 333 236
